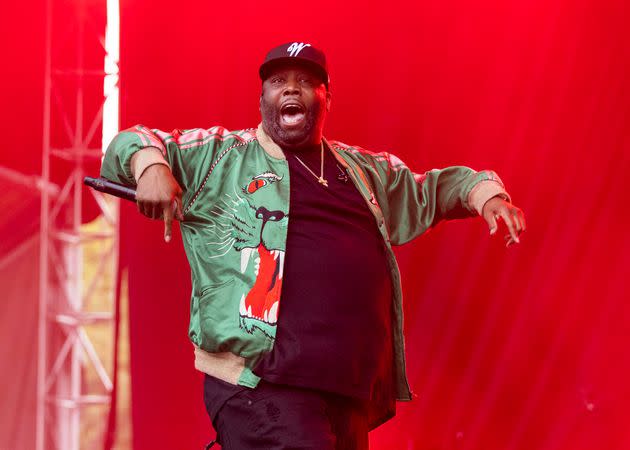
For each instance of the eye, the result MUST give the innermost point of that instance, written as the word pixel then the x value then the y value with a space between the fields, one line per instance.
pixel 254 185
pixel 276 80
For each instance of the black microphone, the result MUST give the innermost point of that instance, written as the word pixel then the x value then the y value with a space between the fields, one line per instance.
pixel 109 187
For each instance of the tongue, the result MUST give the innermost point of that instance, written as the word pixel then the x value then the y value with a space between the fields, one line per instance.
pixel 292 118
pixel 266 289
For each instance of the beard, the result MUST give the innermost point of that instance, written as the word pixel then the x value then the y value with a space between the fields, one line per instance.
pixel 293 138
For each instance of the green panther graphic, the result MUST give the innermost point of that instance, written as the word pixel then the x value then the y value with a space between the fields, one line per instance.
pixel 245 223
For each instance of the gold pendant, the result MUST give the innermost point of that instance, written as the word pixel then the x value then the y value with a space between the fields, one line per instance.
pixel 322 181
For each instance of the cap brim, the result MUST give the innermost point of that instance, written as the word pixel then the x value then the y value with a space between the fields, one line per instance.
pixel 269 66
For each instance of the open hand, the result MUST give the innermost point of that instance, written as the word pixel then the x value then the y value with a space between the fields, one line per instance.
pixel 158 196
pixel 496 209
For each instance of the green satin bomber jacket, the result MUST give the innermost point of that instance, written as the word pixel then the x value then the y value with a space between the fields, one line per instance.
pixel 236 209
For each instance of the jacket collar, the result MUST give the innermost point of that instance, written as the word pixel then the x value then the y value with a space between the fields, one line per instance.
pixel 268 144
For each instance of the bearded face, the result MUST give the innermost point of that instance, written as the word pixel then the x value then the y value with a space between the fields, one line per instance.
pixel 293 105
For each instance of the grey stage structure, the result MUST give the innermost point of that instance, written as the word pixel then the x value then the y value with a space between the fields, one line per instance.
pixel 80 100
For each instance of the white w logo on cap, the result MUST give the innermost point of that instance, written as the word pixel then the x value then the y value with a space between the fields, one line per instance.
pixel 295 48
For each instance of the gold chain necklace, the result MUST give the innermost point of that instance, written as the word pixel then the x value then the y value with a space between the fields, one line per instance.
pixel 320 179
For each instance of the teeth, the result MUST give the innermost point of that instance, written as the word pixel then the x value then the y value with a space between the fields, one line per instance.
pixel 241 308
pixel 249 311
pixel 246 254
pixel 281 271
pixel 272 317
pixel 265 317
pixel 275 254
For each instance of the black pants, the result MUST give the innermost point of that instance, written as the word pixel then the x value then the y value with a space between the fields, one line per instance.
pixel 274 417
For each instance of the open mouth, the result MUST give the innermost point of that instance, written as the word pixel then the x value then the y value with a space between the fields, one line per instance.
pixel 292 114
pixel 261 302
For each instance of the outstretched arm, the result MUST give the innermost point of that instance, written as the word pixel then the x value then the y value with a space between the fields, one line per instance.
pixel 417 202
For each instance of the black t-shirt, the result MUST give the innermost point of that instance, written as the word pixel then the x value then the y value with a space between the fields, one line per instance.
pixel 334 322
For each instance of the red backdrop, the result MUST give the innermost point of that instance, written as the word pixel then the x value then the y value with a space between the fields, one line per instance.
pixel 523 348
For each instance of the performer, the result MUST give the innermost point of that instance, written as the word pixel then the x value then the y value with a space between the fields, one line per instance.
pixel 296 308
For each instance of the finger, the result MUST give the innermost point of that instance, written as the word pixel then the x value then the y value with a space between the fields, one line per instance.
pixel 159 212
pixel 492 223
pixel 508 240
pixel 156 212
pixel 521 217
pixel 142 207
pixel 517 221
pixel 507 218
pixel 174 209
pixel 168 222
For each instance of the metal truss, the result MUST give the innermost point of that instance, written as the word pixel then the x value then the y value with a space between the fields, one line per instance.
pixel 76 308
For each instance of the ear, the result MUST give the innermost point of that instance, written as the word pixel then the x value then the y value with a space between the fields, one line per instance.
pixel 328 100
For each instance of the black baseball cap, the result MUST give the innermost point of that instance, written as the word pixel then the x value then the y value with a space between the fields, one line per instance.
pixel 296 52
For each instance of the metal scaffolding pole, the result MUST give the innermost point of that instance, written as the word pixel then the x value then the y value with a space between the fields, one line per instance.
pixel 70 313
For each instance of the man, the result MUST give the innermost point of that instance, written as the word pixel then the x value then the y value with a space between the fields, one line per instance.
pixel 296 309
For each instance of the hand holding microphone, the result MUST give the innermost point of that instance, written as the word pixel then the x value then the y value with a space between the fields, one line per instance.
pixel 158 195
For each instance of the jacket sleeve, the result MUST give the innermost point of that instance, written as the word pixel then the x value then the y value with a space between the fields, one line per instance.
pixel 188 153
pixel 416 202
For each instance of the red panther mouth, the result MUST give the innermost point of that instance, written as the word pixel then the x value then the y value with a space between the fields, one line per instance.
pixel 262 300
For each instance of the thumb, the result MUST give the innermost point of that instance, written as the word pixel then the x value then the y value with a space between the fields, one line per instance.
pixel 178 208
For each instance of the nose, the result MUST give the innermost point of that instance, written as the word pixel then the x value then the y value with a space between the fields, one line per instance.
pixel 292 86
pixel 265 215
